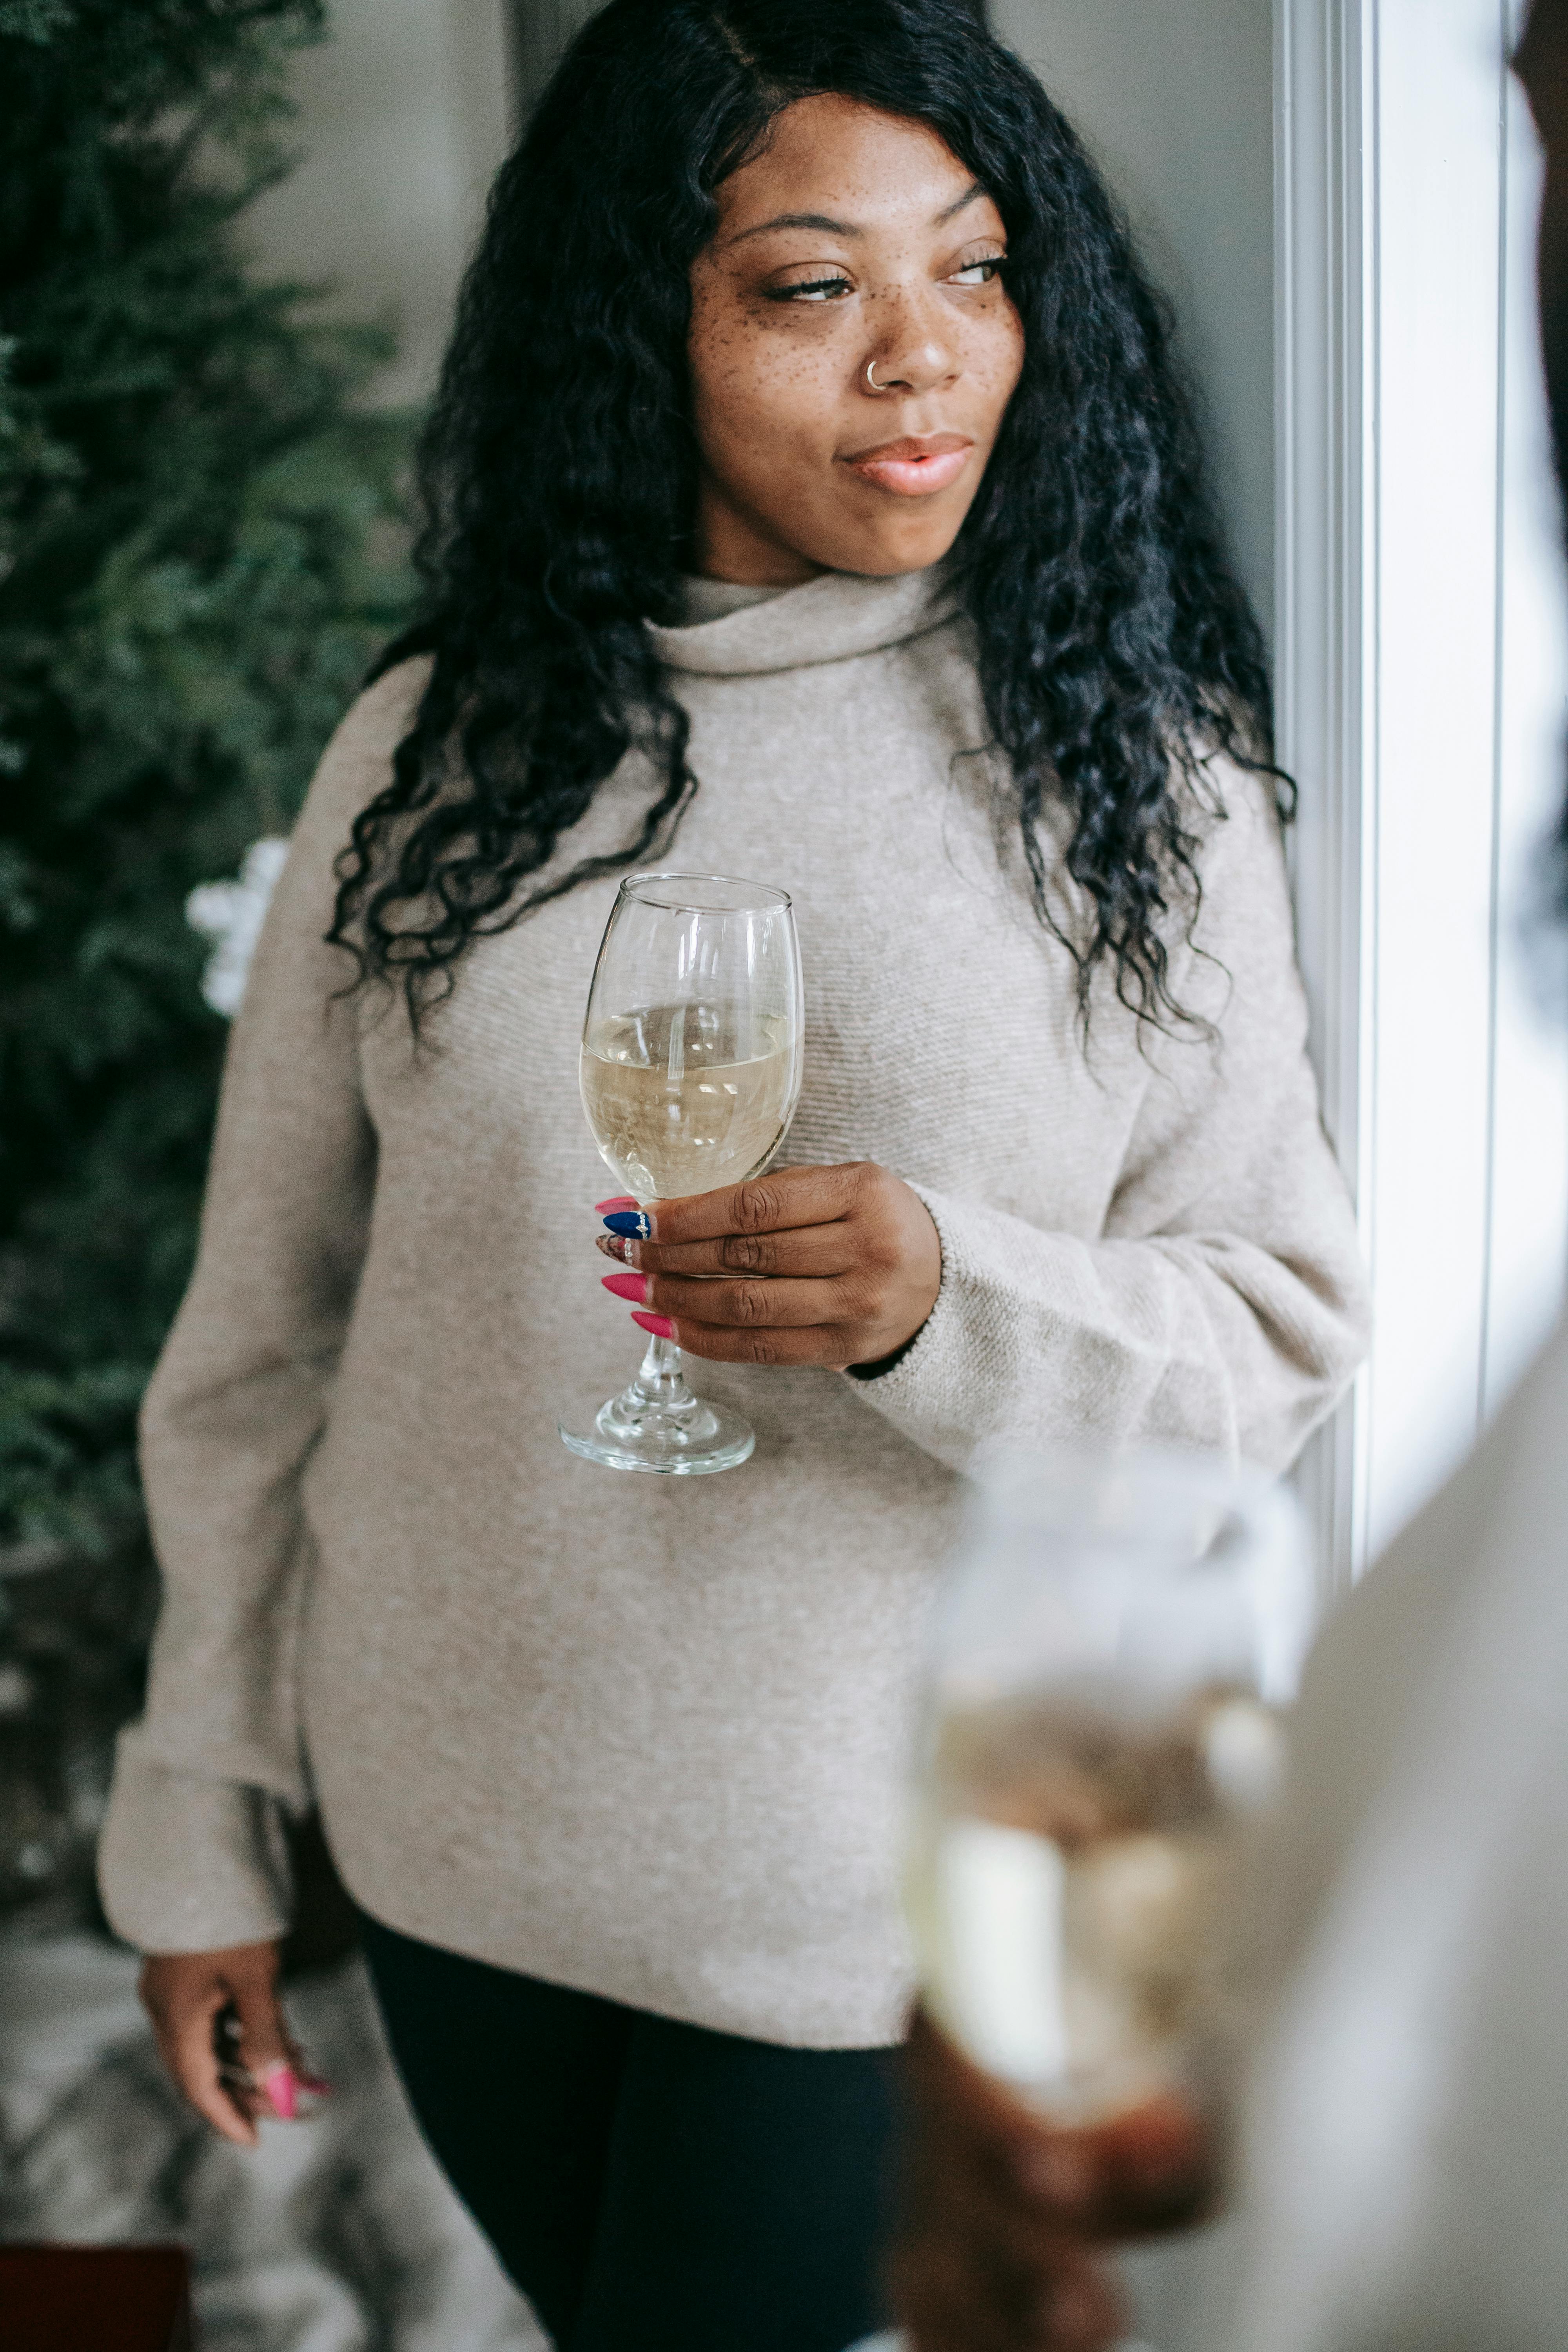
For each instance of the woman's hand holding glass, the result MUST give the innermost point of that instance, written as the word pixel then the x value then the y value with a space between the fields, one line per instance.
pixel 804 1265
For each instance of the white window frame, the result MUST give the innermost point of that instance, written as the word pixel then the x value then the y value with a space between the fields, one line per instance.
pixel 1420 636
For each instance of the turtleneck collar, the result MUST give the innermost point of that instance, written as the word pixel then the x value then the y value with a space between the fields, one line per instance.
pixel 832 618
pixel 714 600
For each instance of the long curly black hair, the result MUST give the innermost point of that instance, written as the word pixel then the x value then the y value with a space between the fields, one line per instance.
pixel 559 468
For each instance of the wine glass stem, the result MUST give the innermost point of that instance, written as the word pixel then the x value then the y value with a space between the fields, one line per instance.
pixel 660 1380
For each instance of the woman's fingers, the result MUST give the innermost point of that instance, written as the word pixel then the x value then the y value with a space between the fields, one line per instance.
pixel 192 2060
pixel 814 1252
pixel 184 1995
pixel 838 1265
pixel 265 2049
pixel 784 1199
pixel 723 1343
pixel 754 1305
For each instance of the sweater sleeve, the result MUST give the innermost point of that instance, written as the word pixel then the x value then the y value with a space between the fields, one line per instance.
pixel 191 1858
pixel 1223 1304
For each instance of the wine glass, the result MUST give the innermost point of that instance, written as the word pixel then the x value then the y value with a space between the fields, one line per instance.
pixel 690 1070
pixel 1102 1733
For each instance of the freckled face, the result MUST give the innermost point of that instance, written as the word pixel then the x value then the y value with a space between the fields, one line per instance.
pixel 855 242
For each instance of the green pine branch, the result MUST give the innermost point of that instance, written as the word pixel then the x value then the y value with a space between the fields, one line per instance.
pixel 201 547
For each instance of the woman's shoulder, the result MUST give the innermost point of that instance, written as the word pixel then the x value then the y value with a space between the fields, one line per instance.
pixel 1218 785
pixel 357 762
pixel 1240 946
pixel 1231 814
pixel 362 746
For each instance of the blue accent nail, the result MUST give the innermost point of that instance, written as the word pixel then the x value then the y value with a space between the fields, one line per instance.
pixel 631 1222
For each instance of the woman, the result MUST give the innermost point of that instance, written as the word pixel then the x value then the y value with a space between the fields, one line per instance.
pixel 810 482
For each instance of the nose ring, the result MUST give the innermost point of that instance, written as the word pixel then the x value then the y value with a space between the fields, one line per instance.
pixel 871 383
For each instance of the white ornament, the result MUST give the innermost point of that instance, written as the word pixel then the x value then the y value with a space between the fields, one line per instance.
pixel 231 915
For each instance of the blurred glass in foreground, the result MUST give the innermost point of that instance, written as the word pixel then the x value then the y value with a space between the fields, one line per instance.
pixel 1102 1734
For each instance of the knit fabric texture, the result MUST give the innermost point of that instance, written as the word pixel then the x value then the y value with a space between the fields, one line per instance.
pixel 648 1736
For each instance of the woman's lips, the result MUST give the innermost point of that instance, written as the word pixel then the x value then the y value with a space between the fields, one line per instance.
pixel 915 467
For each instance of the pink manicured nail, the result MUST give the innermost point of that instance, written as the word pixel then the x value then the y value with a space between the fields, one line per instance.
pixel 659 1325
pixel 621 1201
pixel 282 2091
pixel 626 1286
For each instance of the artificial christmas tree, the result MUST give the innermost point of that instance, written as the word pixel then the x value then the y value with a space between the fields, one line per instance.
pixel 200 550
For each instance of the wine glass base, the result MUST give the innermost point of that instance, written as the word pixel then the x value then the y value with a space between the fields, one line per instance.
pixel 691 1443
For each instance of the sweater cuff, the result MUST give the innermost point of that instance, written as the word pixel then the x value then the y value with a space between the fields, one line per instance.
pixel 187 1863
pixel 940 1386
pixel 1015 1354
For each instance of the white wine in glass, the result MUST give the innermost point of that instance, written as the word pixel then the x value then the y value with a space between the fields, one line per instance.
pixel 690 1070
pixel 1103 1730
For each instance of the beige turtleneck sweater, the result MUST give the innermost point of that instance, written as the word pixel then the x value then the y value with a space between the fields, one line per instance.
pixel 645 1736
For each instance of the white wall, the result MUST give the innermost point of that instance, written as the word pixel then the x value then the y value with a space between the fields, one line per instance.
pixel 542 29
pixel 1175 98
pixel 404 117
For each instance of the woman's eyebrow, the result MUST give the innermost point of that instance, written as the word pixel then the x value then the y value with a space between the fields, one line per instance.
pixel 831 228
pixel 800 220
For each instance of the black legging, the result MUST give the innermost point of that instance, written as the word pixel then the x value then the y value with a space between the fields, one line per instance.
pixel 651 2186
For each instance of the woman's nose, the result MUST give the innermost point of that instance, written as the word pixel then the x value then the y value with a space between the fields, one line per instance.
pixel 908 352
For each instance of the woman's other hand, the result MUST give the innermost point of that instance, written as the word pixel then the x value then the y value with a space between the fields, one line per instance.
pixel 184 1994
pixel 817 1265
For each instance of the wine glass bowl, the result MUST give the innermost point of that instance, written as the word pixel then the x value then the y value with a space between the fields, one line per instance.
pixel 690 1071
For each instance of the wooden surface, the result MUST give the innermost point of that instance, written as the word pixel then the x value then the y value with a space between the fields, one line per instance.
pixel 95 2299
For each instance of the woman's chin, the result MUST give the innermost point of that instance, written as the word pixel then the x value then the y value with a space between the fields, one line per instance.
pixel 909 540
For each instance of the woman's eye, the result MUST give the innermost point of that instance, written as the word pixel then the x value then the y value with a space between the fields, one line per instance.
pixel 810 289
pixel 979 273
